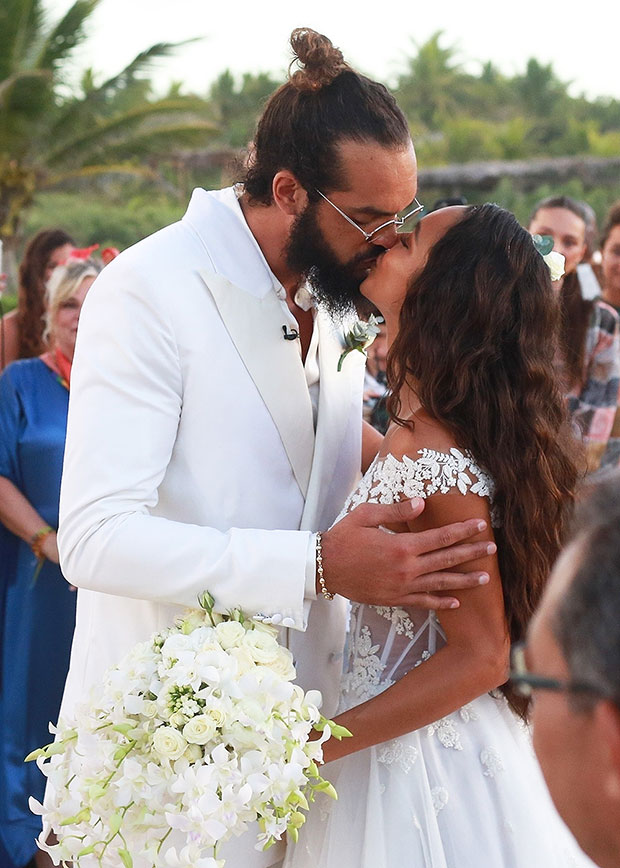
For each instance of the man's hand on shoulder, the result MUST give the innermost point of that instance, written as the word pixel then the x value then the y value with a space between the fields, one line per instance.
pixel 366 563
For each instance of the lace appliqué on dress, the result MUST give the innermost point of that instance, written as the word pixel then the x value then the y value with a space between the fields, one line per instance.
pixel 399 753
pixel 491 762
pixel 433 472
pixel 440 796
pixel 364 676
pixel 446 730
pixel 386 642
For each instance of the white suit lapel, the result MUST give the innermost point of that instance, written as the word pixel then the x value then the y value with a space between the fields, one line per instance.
pixel 255 327
pixel 333 418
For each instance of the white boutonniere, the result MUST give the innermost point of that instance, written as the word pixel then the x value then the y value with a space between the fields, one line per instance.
pixel 360 337
pixel 553 260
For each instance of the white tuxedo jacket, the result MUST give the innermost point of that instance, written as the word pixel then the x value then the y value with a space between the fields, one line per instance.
pixel 191 460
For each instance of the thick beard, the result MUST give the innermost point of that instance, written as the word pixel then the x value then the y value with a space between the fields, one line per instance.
pixel 336 285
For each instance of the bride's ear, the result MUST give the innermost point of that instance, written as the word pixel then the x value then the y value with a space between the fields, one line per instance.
pixel 288 194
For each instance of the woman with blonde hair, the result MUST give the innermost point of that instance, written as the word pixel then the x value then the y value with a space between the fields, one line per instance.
pixel 37 611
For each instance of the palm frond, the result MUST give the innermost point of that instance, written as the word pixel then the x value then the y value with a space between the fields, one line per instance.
pixel 141 63
pixel 69 32
pixel 103 94
pixel 8 85
pixel 120 124
pixel 21 25
pixel 54 180
pixel 163 139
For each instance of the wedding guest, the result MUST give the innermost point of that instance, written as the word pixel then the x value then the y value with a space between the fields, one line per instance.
pixel 610 258
pixel 21 330
pixel 589 354
pixel 609 270
pixel 161 500
pixel 439 769
pixel 375 387
pixel 587 269
pixel 571 664
pixel 38 607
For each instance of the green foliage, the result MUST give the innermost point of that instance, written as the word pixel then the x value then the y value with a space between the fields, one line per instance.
pixel 50 135
pixel 237 107
pixel 105 159
pixel 457 116
pixel 522 202
pixel 106 220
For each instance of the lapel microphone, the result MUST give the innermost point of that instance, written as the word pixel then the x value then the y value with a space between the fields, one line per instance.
pixel 291 335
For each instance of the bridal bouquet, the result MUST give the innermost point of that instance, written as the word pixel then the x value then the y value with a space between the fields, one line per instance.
pixel 195 734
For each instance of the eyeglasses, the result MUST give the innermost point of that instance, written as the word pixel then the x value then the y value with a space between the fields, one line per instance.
pixel 402 222
pixel 525 682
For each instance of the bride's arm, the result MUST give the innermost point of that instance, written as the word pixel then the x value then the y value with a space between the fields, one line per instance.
pixel 474 660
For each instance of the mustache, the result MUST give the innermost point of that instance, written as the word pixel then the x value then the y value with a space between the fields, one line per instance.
pixel 371 255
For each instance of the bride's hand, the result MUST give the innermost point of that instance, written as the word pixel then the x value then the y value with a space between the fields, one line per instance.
pixel 363 562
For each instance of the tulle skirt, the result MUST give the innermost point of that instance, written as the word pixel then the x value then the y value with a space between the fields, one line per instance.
pixel 465 792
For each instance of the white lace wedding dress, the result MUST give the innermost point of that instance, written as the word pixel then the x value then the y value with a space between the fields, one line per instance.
pixel 463 792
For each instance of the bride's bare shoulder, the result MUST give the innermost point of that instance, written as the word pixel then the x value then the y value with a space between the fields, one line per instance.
pixel 424 433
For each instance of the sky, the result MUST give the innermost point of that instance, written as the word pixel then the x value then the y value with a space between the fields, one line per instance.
pixel 376 37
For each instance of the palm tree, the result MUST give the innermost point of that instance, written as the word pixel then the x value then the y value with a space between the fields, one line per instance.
pixel 430 90
pixel 50 135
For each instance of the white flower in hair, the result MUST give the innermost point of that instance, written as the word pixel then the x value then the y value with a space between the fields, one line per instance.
pixel 555 262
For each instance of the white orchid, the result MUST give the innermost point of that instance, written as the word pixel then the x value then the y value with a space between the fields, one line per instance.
pixel 200 730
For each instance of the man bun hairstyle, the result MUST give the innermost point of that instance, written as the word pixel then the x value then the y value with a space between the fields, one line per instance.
pixel 324 102
pixel 320 61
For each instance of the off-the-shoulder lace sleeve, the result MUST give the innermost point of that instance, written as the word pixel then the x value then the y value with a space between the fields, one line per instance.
pixel 389 479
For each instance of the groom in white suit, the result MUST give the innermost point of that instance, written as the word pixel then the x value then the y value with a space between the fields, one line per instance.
pixel 210 434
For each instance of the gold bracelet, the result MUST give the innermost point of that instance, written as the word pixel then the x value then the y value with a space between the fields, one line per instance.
pixel 37 540
pixel 319 569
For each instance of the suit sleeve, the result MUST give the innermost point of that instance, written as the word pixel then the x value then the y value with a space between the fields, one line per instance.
pixel 125 404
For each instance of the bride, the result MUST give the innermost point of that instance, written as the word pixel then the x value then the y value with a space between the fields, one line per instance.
pixel 439 772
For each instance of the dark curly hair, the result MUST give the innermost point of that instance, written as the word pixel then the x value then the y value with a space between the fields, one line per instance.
pixel 322 104
pixel 477 336
pixel 31 294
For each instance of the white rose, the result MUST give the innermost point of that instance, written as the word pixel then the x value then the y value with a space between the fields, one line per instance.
pixel 283 664
pixel 230 634
pixel 555 262
pixel 263 627
pixel 177 718
pixel 168 742
pixel 262 647
pixel 193 753
pixel 200 729
pixel 149 709
pixel 245 660
pixel 217 715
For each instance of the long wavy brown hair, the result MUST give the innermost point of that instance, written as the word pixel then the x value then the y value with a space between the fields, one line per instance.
pixel 31 294
pixel 477 338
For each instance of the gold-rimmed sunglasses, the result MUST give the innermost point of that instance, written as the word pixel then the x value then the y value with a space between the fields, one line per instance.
pixel 404 222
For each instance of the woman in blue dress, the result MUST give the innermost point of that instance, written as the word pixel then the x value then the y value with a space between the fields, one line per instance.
pixel 37 606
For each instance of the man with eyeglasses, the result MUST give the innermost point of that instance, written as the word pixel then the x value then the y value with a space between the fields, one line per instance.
pixel 570 666
pixel 212 440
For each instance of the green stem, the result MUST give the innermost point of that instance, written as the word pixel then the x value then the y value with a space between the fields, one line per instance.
pixel 161 843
